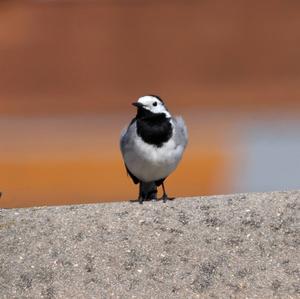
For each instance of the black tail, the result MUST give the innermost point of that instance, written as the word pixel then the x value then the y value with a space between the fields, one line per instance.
pixel 148 190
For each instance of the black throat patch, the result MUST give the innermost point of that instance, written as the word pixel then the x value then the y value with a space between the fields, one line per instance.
pixel 153 128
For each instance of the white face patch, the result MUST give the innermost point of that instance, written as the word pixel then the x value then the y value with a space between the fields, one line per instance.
pixel 154 105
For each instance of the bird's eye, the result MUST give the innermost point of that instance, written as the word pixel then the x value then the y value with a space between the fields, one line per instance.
pixel 154 104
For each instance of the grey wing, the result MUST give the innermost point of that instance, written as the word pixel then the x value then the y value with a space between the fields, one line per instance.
pixel 127 136
pixel 181 133
pixel 125 141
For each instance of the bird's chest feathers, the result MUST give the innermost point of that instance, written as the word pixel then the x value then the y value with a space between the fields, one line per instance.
pixel 154 155
pixel 155 130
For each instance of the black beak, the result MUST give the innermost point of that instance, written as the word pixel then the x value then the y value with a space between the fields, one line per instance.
pixel 138 105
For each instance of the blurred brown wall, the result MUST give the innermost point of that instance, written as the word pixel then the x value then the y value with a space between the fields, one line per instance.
pixel 94 56
pixel 62 58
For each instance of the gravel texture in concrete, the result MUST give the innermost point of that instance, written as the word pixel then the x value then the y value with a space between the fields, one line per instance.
pixel 232 246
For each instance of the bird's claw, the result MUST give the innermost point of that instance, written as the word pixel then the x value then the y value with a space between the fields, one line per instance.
pixel 139 200
pixel 153 198
pixel 165 198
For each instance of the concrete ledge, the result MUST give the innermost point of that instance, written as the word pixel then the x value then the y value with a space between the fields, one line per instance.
pixel 233 246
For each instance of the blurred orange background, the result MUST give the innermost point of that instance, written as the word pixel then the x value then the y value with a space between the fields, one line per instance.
pixel 70 69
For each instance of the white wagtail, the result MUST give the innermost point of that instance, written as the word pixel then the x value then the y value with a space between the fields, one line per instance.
pixel 152 146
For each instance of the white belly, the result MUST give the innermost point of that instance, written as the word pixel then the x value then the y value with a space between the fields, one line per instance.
pixel 150 163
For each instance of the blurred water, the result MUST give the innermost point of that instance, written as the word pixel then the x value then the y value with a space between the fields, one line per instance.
pixel 271 156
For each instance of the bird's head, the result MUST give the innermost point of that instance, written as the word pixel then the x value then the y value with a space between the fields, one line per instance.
pixel 152 104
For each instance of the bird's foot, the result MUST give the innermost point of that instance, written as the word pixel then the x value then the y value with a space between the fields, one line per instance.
pixel 139 200
pixel 151 196
pixel 165 198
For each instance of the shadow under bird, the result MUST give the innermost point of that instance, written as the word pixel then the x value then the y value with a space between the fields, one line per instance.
pixel 152 146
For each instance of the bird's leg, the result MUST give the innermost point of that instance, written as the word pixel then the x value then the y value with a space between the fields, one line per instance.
pixel 147 191
pixel 141 197
pixel 165 197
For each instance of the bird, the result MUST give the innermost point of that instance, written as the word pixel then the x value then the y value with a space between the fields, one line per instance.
pixel 152 145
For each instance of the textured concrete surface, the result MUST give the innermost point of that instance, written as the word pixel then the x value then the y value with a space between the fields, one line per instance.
pixel 233 246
